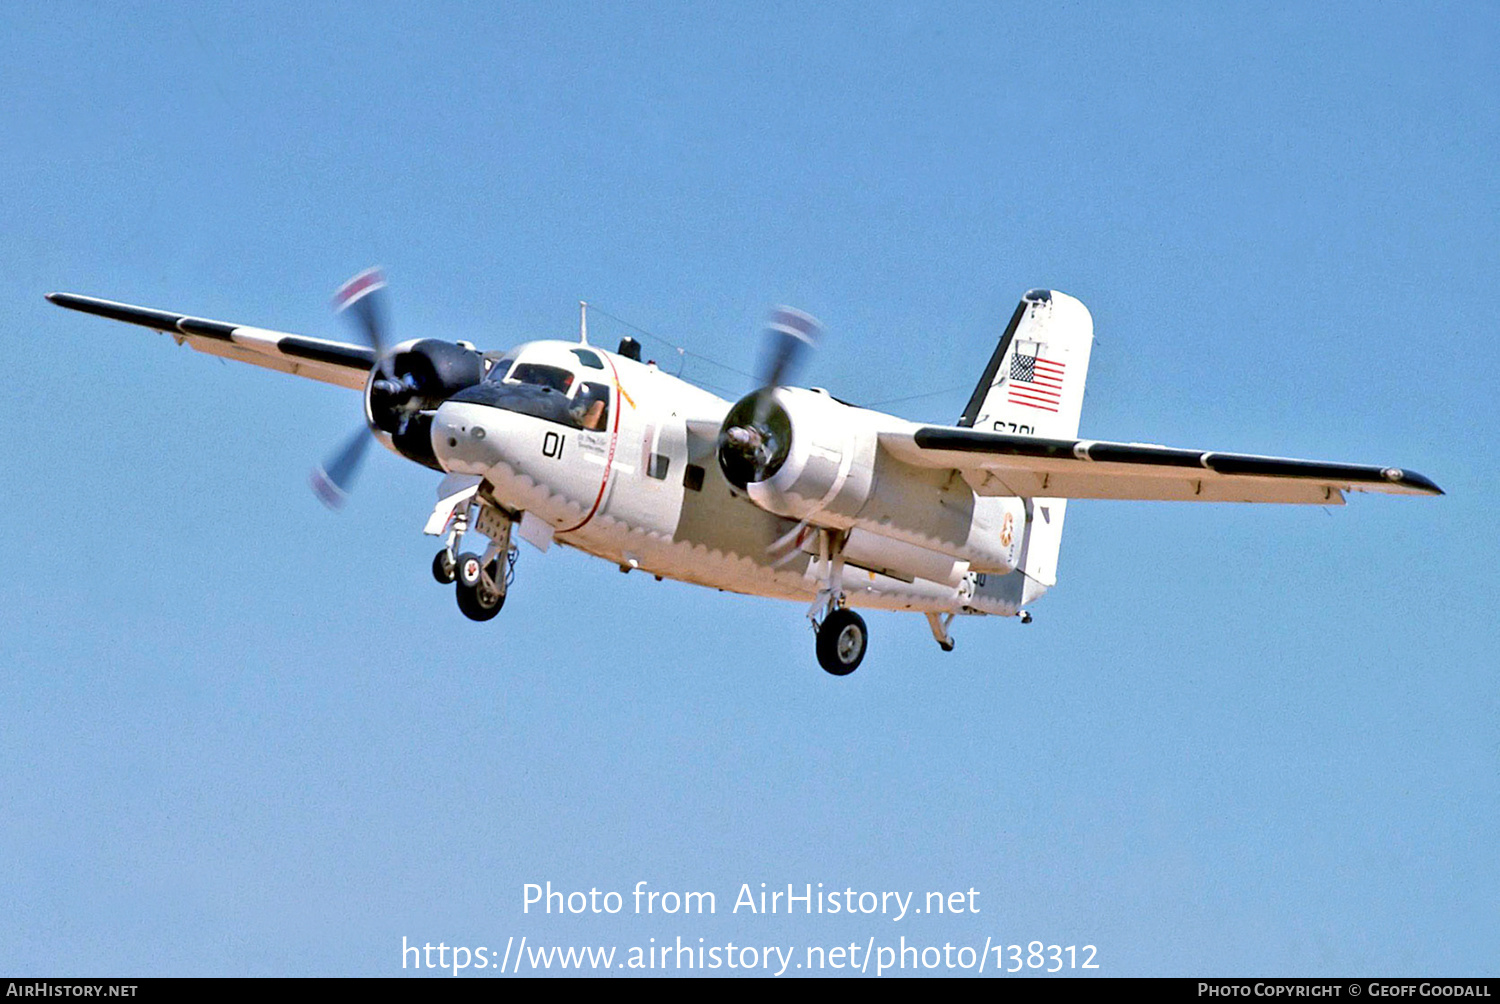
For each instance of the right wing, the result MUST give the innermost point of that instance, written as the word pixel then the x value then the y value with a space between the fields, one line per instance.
pixel 996 463
pixel 331 362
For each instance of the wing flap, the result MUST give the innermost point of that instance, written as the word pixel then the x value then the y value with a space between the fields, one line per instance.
pixel 337 363
pixel 1000 464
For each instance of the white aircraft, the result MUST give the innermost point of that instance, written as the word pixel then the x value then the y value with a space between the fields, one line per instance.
pixel 789 493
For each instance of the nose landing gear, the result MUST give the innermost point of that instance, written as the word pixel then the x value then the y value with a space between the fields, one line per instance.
pixel 481 586
pixel 480 581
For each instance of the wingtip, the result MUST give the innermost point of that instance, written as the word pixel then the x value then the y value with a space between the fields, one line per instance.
pixel 1421 482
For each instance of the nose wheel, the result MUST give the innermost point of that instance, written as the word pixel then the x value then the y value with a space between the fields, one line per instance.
pixel 479 587
pixel 479 581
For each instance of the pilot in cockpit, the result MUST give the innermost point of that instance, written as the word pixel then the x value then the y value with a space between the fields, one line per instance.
pixel 590 407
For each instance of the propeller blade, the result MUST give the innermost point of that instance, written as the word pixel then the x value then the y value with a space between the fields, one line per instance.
pixel 331 482
pixel 790 335
pixel 361 297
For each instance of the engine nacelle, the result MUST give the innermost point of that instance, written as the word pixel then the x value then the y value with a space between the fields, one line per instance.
pixel 817 456
pixel 803 455
pixel 406 386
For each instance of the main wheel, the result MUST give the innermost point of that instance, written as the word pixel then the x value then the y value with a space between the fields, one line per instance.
pixel 842 638
pixel 444 568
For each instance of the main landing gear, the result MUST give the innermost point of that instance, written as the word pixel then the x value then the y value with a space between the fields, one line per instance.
pixel 480 581
pixel 841 633
pixel 842 638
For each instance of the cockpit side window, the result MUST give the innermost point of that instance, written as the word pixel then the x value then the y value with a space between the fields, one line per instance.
pixel 537 375
pixel 590 408
pixel 499 368
pixel 588 359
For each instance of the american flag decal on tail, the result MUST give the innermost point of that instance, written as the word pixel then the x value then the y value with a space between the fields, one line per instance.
pixel 1035 382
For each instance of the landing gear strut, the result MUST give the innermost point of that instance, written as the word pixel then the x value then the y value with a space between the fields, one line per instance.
pixel 841 633
pixel 939 624
pixel 480 581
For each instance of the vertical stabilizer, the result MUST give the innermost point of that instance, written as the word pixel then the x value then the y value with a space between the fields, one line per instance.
pixel 1033 386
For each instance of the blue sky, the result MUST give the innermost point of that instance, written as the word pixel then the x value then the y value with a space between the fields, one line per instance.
pixel 242 735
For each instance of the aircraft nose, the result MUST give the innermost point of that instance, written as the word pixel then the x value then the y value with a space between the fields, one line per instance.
pixel 463 441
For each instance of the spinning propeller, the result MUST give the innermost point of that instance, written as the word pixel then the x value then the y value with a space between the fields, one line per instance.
pixel 332 480
pixel 406 385
pixel 756 434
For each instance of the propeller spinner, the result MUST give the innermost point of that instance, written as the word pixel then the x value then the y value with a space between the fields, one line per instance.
pixel 757 433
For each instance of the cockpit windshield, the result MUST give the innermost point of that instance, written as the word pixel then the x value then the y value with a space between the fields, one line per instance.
pixel 552 393
pixel 538 375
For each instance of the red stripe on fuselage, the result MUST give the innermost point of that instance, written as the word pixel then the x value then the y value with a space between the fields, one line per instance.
pixel 609 460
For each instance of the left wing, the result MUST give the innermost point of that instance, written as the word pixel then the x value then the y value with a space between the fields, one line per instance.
pixel 999 464
pixel 331 362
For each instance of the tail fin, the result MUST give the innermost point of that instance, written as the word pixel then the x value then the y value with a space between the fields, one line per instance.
pixel 1033 386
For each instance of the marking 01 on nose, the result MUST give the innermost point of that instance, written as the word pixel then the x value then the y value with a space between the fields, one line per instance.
pixel 552 445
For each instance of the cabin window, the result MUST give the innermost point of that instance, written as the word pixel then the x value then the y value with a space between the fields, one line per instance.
pixel 659 466
pixel 692 478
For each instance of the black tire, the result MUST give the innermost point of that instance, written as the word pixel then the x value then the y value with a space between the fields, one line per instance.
pixel 476 601
pixel 842 640
pixel 467 570
pixel 444 569
pixel 479 604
